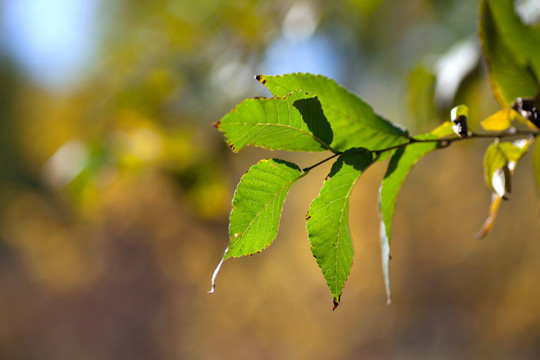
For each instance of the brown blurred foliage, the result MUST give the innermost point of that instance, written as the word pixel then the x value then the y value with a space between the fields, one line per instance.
pixel 114 201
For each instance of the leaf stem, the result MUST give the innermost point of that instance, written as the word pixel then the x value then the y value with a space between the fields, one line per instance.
pixel 447 141
pixel 305 170
pixel 444 142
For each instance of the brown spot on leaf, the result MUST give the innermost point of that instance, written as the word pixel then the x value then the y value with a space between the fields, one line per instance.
pixel 308 217
pixel 216 124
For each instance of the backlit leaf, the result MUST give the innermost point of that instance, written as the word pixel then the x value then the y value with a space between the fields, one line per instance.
pixel 499 121
pixel 353 122
pixel 295 122
pixel 257 204
pixel 256 208
pixel 328 223
pixel 399 167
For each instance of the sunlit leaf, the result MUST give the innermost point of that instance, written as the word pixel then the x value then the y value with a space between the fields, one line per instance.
pixel 256 208
pixel 499 121
pixel 328 223
pixel 257 204
pixel 295 122
pixel 399 167
pixel 353 122
pixel 510 78
pixel 443 130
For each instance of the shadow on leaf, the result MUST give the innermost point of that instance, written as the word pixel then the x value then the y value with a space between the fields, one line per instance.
pixel 313 115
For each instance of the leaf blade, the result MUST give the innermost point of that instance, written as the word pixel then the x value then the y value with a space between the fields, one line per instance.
pixel 509 78
pixel 399 167
pixel 523 40
pixel 499 121
pixel 257 205
pixel 327 220
pixel 354 123
pixel 295 122
pixel 500 162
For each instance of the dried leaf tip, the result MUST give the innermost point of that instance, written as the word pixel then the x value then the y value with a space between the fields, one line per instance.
pixel 261 79
pixel 336 303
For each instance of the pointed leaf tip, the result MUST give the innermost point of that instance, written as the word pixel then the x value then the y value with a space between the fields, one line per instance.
pixel 328 223
pixel 399 167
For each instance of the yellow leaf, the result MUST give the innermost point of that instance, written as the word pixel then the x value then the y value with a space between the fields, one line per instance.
pixel 488 224
pixel 499 121
pixel 445 129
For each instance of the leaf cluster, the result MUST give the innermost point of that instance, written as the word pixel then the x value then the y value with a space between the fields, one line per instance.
pixel 312 113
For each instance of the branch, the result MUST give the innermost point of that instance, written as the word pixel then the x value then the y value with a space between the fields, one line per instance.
pixel 447 141
pixel 443 141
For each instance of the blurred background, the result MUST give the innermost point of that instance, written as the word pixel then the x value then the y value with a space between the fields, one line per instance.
pixel 115 189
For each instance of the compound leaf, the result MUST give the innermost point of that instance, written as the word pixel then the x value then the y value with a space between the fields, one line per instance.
pixel 327 220
pixel 295 122
pixel 354 123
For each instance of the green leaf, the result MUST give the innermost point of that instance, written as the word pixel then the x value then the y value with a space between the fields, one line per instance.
pixel 257 204
pixel 399 167
pixel 327 220
pixel 295 122
pixel 420 95
pixel 509 77
pixel 523 40
pixel 354 123
pixel 256 208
